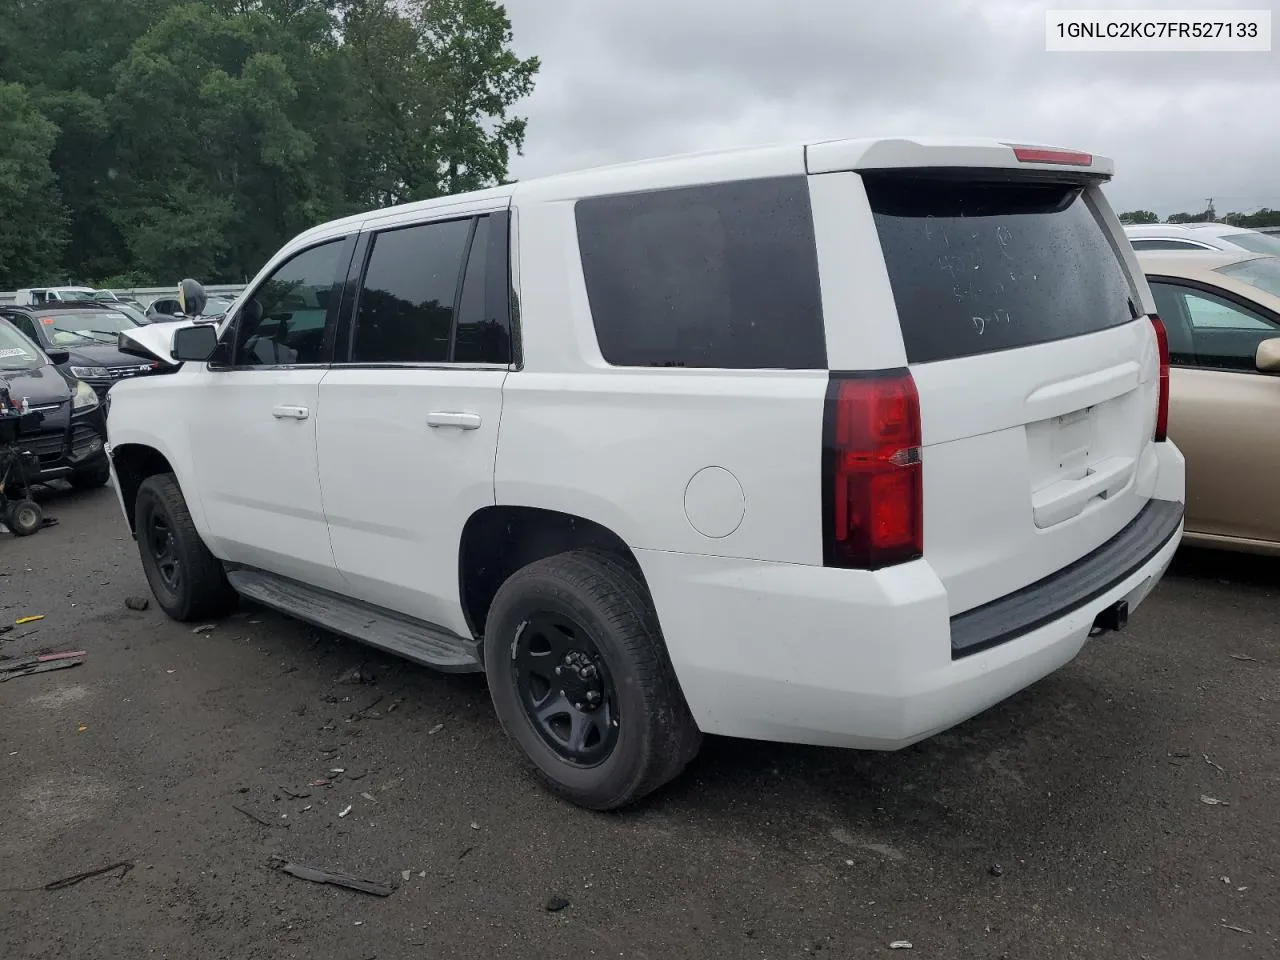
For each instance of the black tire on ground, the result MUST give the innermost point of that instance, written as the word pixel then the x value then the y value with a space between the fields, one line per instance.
pixel 93 477
pixel 188 581
pixel 597 596
pixel 23 517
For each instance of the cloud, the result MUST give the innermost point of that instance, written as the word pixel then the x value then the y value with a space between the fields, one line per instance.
pixel 625 80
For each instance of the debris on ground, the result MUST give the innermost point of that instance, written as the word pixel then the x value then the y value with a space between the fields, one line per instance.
pixel 465 851
pixel 21 620
pixel 405 874
pixel 317 875
pixel 295 794
pixel 5 628
pixel 344 811
pixel 474 825
pixel 41 664
pixel 996 870
pixel 124 866
pixel 900 945
pixel 356 774
pixel 137 603
pixel 205 628
pixel 1231 926
pixel 1216 766
pixel 1213 801
pixel 320 783
pixel 556 904
pixel 436 729
pixel 253 816
pixel 357 675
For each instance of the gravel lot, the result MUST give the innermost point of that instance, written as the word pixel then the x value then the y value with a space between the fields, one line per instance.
pixel 1067 822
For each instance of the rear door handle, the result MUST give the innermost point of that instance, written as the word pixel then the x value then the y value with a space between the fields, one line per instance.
pixel 287 412
pixel 463 421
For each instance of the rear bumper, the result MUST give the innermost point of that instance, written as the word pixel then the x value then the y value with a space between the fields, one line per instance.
pixel 842 658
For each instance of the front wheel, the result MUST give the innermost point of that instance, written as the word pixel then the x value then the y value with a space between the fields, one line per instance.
pixel 187 580
pixel 581 681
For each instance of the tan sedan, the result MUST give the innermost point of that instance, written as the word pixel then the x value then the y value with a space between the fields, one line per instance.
pixel 1222 315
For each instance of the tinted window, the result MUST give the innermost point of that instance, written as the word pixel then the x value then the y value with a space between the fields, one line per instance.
pixel 27 326
pixel 1165 245
pixel 716 276
pixel 978 267
pixel 284 321
pixel 405 312
pixel 483 322
pixel 1255 242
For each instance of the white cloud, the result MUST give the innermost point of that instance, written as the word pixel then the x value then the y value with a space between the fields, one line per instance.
pixel 625 80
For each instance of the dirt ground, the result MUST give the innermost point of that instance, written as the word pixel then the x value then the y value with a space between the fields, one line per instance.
pixel 1072 821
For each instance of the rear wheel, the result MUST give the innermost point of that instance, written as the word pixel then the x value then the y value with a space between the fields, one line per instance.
pixel 581 680
pixel 23 517
pixel 187 580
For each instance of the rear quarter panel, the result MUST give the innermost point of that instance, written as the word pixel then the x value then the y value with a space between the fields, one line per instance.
pixel 647 452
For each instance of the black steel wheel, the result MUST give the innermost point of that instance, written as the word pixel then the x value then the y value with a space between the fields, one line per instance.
pixel 581 680
pixel 566 688
pixel 23 517
pixel 188 581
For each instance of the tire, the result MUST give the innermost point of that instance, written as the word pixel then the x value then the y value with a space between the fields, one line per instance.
pixel 92 478
pixel 23 517
pixel 605 608
pixel 188 581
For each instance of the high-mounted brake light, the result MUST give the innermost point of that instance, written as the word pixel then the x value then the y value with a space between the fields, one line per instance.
pixel 1162 405
pixel 873 488
pixel 1071 158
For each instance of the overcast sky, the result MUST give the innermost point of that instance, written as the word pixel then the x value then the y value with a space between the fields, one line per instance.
pixel 628 79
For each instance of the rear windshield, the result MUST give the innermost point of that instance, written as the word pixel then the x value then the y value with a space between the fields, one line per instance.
pixel 1263 273
pixel 978 267
pixel 1255 242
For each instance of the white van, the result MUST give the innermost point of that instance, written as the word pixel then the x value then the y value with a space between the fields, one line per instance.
pixel 834 443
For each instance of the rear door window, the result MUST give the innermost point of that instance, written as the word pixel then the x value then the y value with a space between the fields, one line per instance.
pixel 717 276
pixel 978 267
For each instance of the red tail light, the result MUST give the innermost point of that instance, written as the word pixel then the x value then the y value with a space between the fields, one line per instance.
pixel 873 492
pixel 1072 158
pixel 1162 405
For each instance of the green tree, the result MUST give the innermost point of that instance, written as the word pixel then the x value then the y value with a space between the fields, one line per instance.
pixel 1139 216
pixel 32 217
pixel 1202 217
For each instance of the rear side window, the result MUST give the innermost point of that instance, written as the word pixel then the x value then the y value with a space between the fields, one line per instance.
pixel 1166 245
pixel 720 276
pixel 978 267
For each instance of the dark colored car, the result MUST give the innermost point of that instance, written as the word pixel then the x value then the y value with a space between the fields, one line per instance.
pixel 67 439
pixel 88 333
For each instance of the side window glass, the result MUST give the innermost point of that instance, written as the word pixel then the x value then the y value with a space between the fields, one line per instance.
pixel 26 326
pixel 1174 316
pixel 406 308
pixel 1141 244
pixel 1226 335
pixel 283 322
pixel 717 276
pixel 1207 312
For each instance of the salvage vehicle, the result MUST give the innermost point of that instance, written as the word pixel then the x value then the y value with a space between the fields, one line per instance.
pixel 1201 236
pixel 65 440
pixel 1222 314
pixel 836 443
pixel 86 334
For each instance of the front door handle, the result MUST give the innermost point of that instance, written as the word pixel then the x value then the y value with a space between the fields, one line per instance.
pixel 287 412
pixel 463 421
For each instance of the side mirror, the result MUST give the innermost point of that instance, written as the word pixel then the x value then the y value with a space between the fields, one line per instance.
pixel 57 355
pixel 1267 359
pixel 195 343
pixel 192 298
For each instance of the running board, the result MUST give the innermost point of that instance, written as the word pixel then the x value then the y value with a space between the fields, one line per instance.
pixel 420 642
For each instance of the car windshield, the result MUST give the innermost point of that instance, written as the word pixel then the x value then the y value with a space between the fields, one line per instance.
pixel 17 353
pixel 75 295
pixel 101 295
pixel 1255 242
pixel 132 312
pixel 85 326
pixel 1263 273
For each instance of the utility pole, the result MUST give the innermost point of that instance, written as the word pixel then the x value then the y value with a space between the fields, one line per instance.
pixel 1212 214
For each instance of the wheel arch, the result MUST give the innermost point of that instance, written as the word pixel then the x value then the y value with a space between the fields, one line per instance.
pixel 498 540
pixel 133 461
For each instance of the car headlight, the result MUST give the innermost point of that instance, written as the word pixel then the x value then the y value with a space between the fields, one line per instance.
pixel 101 373
pixel 84 398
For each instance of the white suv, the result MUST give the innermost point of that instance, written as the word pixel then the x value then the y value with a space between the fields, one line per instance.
pixel 837 443
pixel 1201 237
